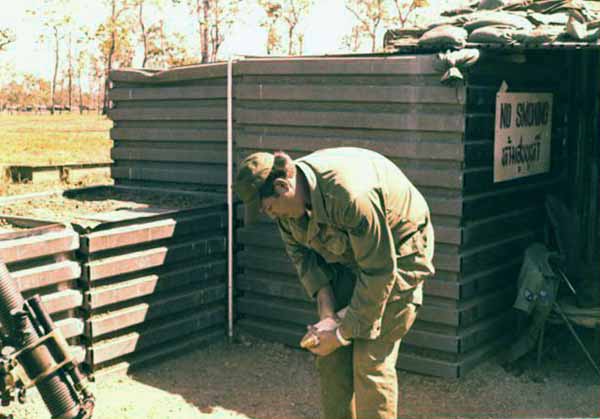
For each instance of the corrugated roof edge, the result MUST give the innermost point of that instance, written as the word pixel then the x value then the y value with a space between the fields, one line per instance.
pixel 390 63
pixel 415 49
pixel 387 64
pixel 219 69
pixel 175 74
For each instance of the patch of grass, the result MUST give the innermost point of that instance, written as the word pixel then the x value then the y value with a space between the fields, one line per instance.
pixel 69 138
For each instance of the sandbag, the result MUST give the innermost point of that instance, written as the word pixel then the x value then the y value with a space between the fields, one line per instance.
pixel 580 32
pixel 459 11
pixel 594 24
pixel 452 62
pixel 459 21
pixel 444 36
pixel 482 19
pixel 592 36
pixel 575 8
pixel 552 19
pixel 496 4
pixel 442 21
pixel 540 35
pixel 577 30
pixel 501 35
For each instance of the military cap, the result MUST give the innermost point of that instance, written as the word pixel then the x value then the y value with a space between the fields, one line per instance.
pixel 251 176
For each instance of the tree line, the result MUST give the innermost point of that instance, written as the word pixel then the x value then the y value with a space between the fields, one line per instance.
pixel 83 56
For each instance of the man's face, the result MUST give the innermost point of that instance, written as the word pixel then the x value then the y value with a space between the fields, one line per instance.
pixel 285 205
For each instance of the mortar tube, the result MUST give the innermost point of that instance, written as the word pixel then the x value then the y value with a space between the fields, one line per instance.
pixel 55 393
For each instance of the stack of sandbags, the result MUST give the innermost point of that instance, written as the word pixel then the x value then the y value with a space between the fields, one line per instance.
pixel 496 27
pixel 504 22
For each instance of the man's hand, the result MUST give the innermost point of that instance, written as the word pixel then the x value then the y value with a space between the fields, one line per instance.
pixel 310 339
pixel 328 343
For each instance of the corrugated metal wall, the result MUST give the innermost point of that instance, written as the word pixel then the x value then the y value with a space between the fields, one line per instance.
pixel 441 137
pixel 394 105
pixel 583 199
pixel 41 260
pixel 500 220
pixel 170 127
pixel 155 284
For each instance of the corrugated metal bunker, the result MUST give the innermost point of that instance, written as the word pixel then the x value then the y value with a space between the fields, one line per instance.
pixel 129 274
pixel 41 258
pixel 170 130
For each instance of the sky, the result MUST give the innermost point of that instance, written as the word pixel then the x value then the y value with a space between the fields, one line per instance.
pixel 323 35
pixel 26 54
pixel 324 28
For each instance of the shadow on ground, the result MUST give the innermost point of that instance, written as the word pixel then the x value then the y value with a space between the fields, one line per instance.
pixel 255 379
pixel 260 380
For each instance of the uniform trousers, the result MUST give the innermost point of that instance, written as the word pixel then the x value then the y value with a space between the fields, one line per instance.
pixel 359 381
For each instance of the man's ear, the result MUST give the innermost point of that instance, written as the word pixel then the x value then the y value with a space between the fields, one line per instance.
pixel 281 186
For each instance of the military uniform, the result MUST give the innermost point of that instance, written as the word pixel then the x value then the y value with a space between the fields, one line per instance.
pixel 367 234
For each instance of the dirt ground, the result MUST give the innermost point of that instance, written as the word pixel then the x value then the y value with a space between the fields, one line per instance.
pixel 87 202
pixel 261 380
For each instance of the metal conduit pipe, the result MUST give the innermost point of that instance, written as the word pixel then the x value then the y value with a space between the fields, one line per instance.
pixel 230 199
pixel 230 209
pixel 229 204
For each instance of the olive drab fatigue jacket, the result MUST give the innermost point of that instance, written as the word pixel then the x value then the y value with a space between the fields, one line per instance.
pixel 365 214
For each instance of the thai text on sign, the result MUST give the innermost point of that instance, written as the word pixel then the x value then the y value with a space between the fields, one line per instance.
pixel 523 135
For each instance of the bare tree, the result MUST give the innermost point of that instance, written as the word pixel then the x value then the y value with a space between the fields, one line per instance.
pixel 203 10
pixel 55 23
pixel 6 38
pixel 352 41
pixel 405 8
pixel 57 27
pixel 96 79
pixel 213 18
pixel 143 33
pixel 148 32
pixel 81 63
pixel 114 36
pixel 273 15
pixel 216 37
pixel 70 69
pixel 293 11
pixel 290 12
pixel 161 48
pixel 175 52
pixel 79 47
pixel 55 73
pixel 369 14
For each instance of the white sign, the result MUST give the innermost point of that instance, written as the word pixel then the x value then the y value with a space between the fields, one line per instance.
pixel 523 135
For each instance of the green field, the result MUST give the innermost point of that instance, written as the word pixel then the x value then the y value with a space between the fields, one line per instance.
pixel 31 140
